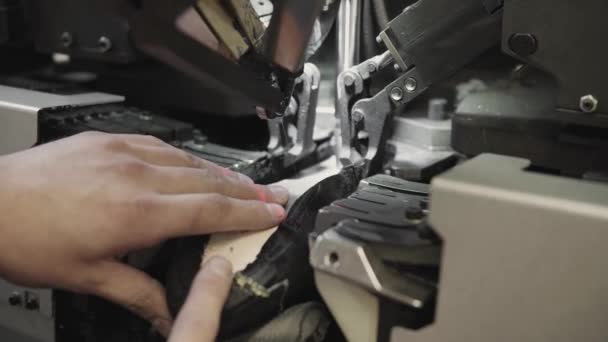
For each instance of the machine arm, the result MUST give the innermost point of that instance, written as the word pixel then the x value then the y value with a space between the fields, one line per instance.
pixel 429 41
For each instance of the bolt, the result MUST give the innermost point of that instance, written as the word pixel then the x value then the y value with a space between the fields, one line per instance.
pixel 411 84
pixel 436 110
pixel 523 44
pixel 358 116
pixel 31 301
pixel 349 80
pixel 396 94
pixel 66 39
pixel 15 299
pixel 104 43
pixel 371 67
pixel 588 103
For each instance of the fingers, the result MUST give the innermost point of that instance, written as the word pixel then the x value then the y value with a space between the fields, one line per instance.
pixel 140 139
pixel 133 290
pixel 199 319
pixel 167 155
pixel 127 138
pixel 161 217
pixel 156 152
pixel 181 180
pixel 168 170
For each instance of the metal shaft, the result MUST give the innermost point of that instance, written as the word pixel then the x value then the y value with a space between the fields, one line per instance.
pixel 348 30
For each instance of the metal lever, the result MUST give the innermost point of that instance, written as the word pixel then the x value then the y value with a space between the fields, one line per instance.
pixel 351 84
pixel 307 95
pixel 302 108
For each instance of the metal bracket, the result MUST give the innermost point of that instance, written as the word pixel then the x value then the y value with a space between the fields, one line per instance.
pixel 307 96
pixel 19 109
pixel 351 260
pixel 373 114
pixel 350 85
pixel 302 112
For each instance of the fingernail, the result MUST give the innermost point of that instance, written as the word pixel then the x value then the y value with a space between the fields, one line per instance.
pixel 276 211
pixel 162 325
pixel 280 194
pixel 219 266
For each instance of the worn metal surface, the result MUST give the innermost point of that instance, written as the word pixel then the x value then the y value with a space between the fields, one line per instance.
pixel 19 110
pixel 351 84
pixel 524 255
pixel 439 37
pixel 570 40
pixel 307 95
pixel 19 323
pixel 422 147
pixel 85 22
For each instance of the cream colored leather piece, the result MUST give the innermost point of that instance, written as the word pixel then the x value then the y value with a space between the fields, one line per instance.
pixel 241 248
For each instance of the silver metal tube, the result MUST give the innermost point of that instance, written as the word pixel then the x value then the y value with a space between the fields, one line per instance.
pixel 348 30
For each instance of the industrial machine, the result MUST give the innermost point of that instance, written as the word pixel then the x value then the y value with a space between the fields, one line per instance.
pixel 461 146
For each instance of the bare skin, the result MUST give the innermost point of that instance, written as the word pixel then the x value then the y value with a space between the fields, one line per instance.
pixel 199 319
pixel 70 208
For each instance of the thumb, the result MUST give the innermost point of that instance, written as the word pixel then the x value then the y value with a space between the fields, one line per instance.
pixel 199 319
pixel 134 290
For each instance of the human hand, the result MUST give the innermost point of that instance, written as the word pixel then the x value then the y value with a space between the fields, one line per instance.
pixel 199 318
pixel 69 209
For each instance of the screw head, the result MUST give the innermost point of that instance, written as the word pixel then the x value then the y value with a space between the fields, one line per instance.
pixel 371 67
pixel 66 39
pixel 588 103
pixel 411 85
pixel 396 94
pixel 523 44
pixel 31 302
pixel 349 80
pixel 358 116
pixel 104 43
pixel 15 299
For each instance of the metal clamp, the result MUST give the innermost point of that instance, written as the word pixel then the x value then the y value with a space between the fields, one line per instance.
pixel 302 112
pixel 351 260
pixel 307 96
pixel 371 115
pixel 350 85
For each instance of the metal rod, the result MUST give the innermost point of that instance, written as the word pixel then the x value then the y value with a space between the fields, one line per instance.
pixel 348 30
